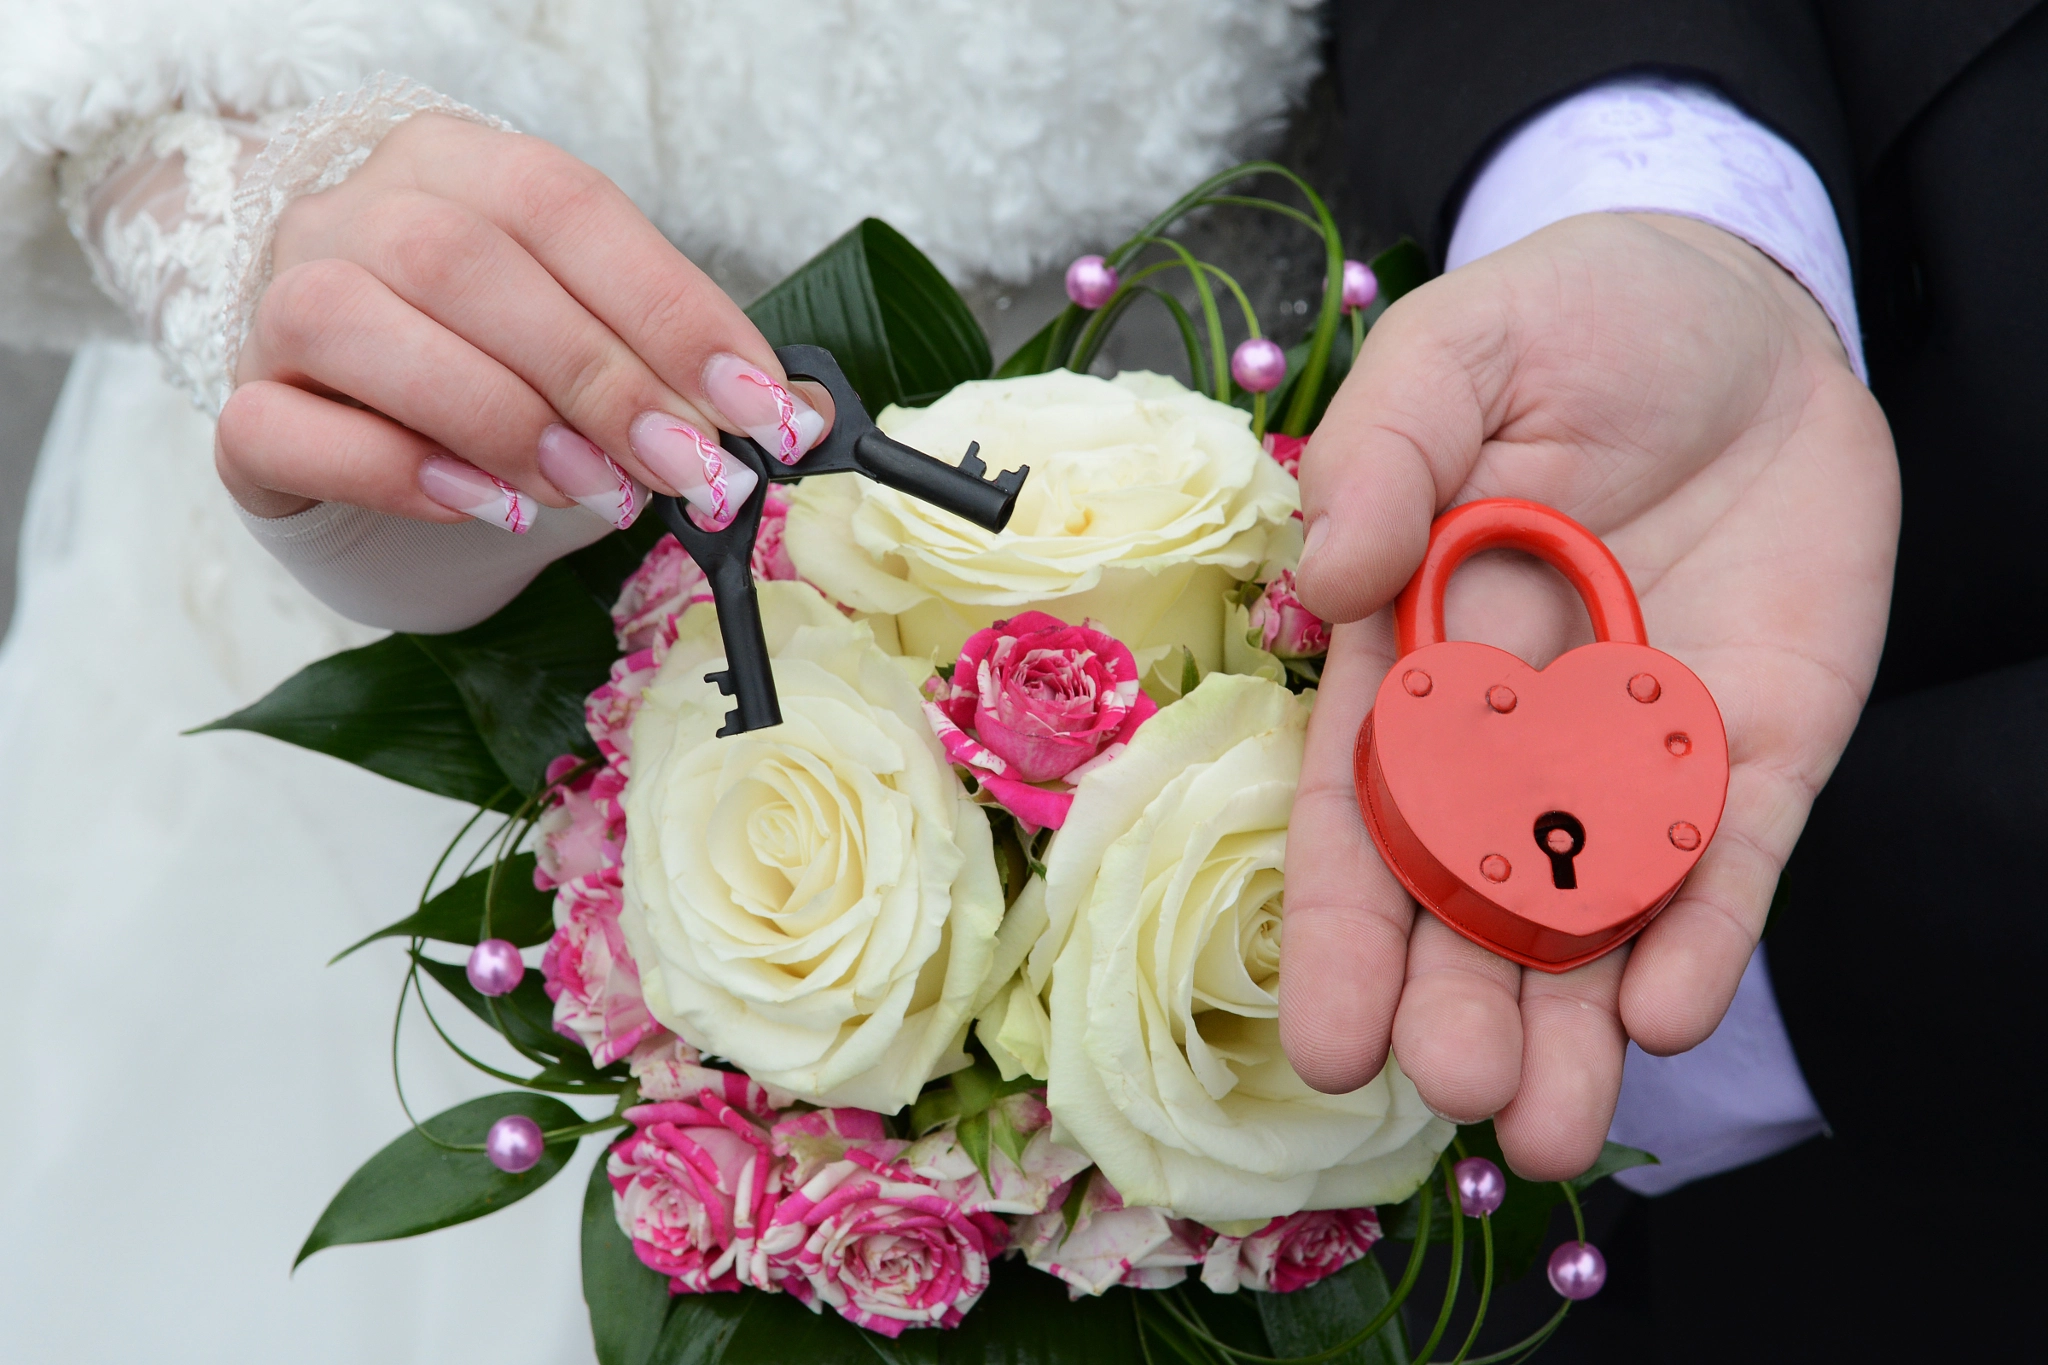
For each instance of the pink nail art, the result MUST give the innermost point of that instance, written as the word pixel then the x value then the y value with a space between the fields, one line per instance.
pixel 462 487
pixel 778 420
pixel 577 466
pixel 714 486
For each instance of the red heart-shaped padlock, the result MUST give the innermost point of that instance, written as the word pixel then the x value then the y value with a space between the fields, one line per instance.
pixel 1544 814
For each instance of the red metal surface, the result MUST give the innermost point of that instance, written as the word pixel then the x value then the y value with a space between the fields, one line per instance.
pixel 1578 787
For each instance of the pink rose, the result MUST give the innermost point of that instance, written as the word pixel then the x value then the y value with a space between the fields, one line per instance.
pixel 667 1068
pixel 581 831
pixel 1033 700
pixel 1140 1248
pixel 692 1187
pixel 589 974
pixel 815 1138
pixel 1010 1186
pixel 1289 1253
pixel 1287 451
pixel 1284 626
pixel 880 1247
pixel 608 712
pixel 668 582
pixel 771 562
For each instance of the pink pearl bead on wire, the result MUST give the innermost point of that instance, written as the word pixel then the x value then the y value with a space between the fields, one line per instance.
pixel 1361 286
pixel 1577 1270
pixel 514 1144
pixel 494 967
pixel 1258 365
pixel 1481 1186
pixel 1090 281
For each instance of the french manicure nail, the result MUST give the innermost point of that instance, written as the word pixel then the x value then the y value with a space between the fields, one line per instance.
pixel 574 464
pixel 716 485
pixel 462 487
pixel 778 420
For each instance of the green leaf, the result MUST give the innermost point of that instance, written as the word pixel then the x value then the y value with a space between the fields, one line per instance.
pixel 523 915
pixel 528 1014
pixel 524 673
pixel 932 333
pixel 699 1327
pixel 1190 675
pixel 387 707
pixel 898 330
pixel 1613 1157
pixel 778 1330
pixel 628 1302
pixel 974 1138
pixel 1025 1318
pixel 1034 356
pixel 1331 1310
pixel 413 1186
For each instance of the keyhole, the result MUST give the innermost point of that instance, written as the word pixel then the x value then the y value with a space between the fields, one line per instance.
pixel 1562 838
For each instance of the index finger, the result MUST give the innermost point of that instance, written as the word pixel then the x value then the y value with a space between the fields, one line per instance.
pixel 1344 952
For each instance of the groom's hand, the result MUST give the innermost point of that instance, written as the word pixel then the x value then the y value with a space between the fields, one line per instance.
pixel 1667 385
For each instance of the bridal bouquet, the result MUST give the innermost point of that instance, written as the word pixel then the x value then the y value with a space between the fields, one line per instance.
pixel 939 1021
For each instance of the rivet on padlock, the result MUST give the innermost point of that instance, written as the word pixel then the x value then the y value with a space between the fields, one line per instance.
pixel 1622 795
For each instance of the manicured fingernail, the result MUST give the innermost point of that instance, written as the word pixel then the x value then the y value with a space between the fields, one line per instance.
pixel 1318 532
pixel 706 477
pixel 778 419
pixel 575 465
pixel 463 487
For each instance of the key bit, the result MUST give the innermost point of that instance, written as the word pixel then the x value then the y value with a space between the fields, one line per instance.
pixel 854 446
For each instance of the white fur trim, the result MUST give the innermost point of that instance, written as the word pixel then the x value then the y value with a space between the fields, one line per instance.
pixel 1000 138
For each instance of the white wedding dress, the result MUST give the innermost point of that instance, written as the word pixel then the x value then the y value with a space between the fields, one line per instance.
pixel 185 1083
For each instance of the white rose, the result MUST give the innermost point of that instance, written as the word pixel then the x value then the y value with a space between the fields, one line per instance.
pixel 1162 912
pixel 1146 503
pixel 815 902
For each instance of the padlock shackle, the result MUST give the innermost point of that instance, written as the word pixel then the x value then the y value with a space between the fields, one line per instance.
pixel 1515 524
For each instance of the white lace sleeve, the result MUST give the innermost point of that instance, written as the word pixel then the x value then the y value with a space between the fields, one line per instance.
pixel 177 215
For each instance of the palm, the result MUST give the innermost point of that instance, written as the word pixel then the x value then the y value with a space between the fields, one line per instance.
pixel 1662 383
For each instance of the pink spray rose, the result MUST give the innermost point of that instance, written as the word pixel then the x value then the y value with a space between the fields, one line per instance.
pixel 581 831
pixel 1141 1248
pixel 1033 699
pixel 692 1187
pixel 1286 628
pixel 815 1138
pixel 608 712
pixel 877 1245
pixel 1010 1187
pixel 667 1068
pixel 668 582
pixel 1292 1252
pixel 590 975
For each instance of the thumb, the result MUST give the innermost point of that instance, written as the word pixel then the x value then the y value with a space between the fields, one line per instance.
pixel 1398 442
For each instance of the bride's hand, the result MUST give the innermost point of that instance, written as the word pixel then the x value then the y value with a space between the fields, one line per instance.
pixel 474 320
pixel 1666 384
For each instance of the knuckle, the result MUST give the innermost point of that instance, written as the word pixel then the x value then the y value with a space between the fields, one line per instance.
pixel 431 247
pixel 548 186
pixel 305 302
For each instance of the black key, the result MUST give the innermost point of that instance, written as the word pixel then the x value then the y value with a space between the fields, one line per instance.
pixel 854 445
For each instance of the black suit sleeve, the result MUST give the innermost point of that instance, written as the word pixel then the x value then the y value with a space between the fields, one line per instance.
pixel 1429 86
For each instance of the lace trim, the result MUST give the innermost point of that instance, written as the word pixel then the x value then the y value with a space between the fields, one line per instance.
pixel 151 204
pixel 314 150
